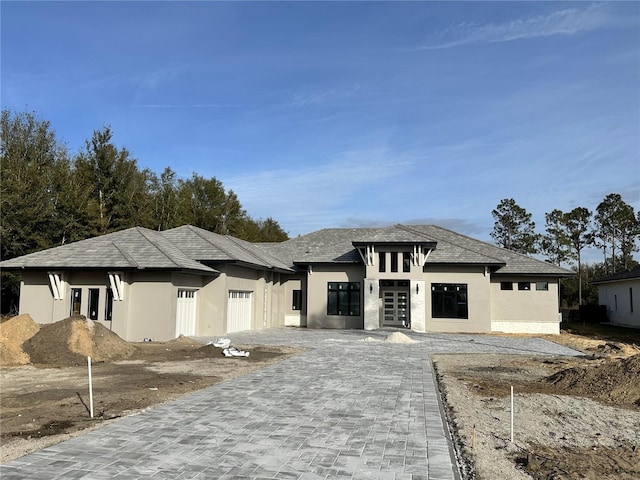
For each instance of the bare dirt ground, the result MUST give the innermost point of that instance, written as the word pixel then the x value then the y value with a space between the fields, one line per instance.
pixel 574 418
pixel 46 402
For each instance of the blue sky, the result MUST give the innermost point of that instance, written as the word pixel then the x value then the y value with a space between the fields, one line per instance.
pixel 331 114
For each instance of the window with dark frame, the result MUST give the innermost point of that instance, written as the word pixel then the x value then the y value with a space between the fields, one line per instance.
pixel 631 299
pixel 382 261
pixel 76 301
pixel 542 286
pixel 296 303
pixel 524 285
pixel 449 300
pixel 394 261
pixel 94 300
pixel 406 262
pixel 108 307
pixel 506 285
pixel 343 298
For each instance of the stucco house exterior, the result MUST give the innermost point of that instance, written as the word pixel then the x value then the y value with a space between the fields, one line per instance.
pixel 620 294
pixel 147 284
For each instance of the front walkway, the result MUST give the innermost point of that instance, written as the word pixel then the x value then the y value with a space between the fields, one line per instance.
pixel 344 409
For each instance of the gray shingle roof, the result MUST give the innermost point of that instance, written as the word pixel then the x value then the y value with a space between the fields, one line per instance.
pixel 207 246
pixel 192 248
pixel 620 276
pixel 134 248
pixel 335 245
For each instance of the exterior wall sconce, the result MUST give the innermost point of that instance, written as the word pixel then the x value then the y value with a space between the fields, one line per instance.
pixel 371 288
pixel 417 289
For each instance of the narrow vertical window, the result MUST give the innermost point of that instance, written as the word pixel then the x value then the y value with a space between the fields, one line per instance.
pixel 297 300
pixel 92 309
pixel 394 261
pixel 631 299
pixel 406 261
pixel 615 302
pixel 382 261
pixel 76 301
pixel 108 307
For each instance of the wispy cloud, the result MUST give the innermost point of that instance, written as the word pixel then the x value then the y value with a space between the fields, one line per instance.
pixel 188 105
pixel 315 95
pixel 568 21
pixel 327 190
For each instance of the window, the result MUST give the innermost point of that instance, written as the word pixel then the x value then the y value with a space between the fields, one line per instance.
pixel 631 299
pixel 382 258
pixel 297 300
pixel 615 302
pixel 449 300
pixel 542 286
pixel 506 285
pixel 343 298
pixel 394 261
pixel 406 262
pixel 92 310
pixel 76 301
pixel 108 307
pixel 524 285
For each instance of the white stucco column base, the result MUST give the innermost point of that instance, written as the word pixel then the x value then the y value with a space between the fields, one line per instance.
pixel 418 297
pixel 371 308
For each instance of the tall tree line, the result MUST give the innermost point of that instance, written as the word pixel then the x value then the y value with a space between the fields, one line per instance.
pixel 614 228
pixel 49 197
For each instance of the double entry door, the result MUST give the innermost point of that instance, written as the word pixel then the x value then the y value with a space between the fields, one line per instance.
pixel 395 307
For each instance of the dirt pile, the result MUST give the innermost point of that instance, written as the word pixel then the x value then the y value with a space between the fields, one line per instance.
pixel 13 333
pixel 72 340
pixel 612 381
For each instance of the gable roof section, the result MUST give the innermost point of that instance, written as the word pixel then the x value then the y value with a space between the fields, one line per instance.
pixel 632 274
pixel 206 246
pixel 135 248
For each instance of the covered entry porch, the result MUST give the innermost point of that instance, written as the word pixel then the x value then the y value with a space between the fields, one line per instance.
pixel 394 303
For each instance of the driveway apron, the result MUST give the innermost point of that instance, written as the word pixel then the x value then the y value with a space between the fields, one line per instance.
pixel 345 408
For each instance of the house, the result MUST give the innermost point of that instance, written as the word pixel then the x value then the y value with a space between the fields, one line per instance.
pixel 616 292
pixel 147 284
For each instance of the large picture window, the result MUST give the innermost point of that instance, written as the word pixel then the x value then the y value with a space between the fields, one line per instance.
pixel 343 298
pixel 449 300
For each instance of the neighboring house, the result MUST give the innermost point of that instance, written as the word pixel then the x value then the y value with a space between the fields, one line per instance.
pixel 620 294
pixel 146 284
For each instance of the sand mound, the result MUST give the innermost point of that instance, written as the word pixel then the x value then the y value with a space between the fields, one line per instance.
pixel 370 339
pixel 611 379
pixel 13 333
pixel 397 337
pixel 72 340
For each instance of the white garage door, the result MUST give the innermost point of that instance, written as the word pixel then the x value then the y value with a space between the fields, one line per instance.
pixel 238 311
pixel 186 313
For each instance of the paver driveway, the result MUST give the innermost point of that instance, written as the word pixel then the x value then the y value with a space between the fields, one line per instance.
pixel 344 409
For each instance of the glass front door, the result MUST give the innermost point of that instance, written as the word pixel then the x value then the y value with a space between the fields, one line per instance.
pixel 395 306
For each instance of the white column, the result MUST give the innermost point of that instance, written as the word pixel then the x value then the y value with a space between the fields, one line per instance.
pixel 371 304
pixel 417 296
